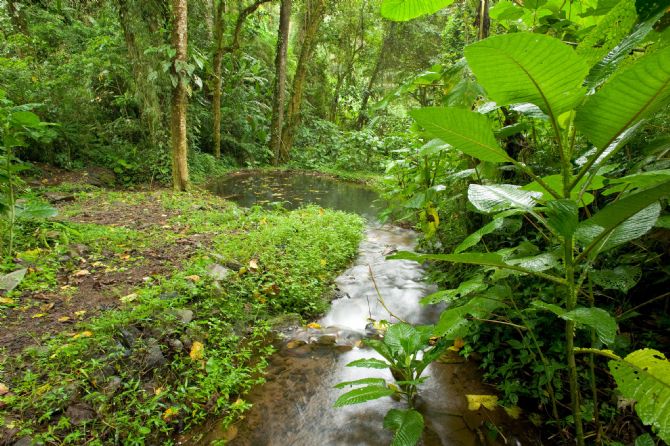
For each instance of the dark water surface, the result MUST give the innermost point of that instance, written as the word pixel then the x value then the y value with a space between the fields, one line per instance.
pixel 295 406
pixel 295 189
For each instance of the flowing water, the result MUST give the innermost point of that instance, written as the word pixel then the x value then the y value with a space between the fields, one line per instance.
pixel 295 406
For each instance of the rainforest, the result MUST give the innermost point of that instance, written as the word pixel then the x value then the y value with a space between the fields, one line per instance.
pixel 334 222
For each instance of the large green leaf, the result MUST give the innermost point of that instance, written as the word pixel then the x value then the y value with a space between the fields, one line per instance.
pixel 403 10
pixel 10 281
pixel 363 394
pixel 527 67
pixel 370 363
pixel 500 197
pixel 407 425
pixel 644 376
pixel 630 96
pixel 466 131
pixel 464 289
pixel 598 319
pixel 563 217
pixel 360 382
pixel 622 278
pixel 402 337
pixel 473 258
pixel 35 211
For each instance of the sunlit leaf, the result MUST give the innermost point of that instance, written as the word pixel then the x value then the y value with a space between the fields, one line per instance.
pixel 370 363
pixel 403 10
pixel 197 351
pixel 406 424
pixel 475 402
pixel 10 281
pixel 362 395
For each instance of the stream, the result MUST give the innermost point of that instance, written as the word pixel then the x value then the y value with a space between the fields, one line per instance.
pixel 295 406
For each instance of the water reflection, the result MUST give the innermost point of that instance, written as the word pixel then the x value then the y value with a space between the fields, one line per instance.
pixel 294 189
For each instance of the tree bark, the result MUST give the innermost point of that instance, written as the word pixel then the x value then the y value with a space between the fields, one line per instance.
pixel 383 49
pixel 179 102
pixel 279 97
pixel 17 17
pixel 315 10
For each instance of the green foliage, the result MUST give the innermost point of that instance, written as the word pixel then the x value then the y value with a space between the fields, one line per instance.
pixel 407 425
pixel 402 10
pixel 644 375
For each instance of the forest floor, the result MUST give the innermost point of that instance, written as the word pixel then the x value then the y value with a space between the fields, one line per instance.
pixel 143 312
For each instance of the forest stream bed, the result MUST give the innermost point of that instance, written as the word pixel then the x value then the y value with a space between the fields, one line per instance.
pixel 147 318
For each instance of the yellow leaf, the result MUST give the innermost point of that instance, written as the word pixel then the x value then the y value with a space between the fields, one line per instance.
pixel 63 319
pixel 80 314
pixel 43 389
pixel 3 389
pixel 476 401
pixel 459 343
pixel 197 351
pixel 169 413
pixel 193 278
pixel 263 221
pixel 242 271
pixel 81 273
pixel 158 390
pixel 35 316
pixel 323 262
pixel 6 301
pixel 253 264
pixel 129 298
pixel 83 334
pixel 514 411
pixel 321 211
pixel 314 325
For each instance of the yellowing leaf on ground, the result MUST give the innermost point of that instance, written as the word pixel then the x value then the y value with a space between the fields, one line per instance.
pixel 38 315
pixel 63 319
pixel 476 401
pixel 3 389
pixel 158 390
pixel 323 262
pixel 170 413
pixel 81 273
pixel 6 301
pixel 253 264
pixel 514 411
pixel 197 351
pixel 83 334
pixel 129 298
pixel 314 325
pixel 321 211
pixel 193 278
pixel 80 314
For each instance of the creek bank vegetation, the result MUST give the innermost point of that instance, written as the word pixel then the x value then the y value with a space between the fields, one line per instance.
pixel 139 314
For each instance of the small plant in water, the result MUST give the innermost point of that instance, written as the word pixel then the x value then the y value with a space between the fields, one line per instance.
pixel 407 351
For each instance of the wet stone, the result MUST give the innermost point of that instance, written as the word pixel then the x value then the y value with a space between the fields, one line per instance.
pixel 154 356
pixel 326 339
pixel 218 272
pixel 176 345
pixel 113 385
pixel 25 441
pixel 129 335
pixel 79 413
pixel 184 316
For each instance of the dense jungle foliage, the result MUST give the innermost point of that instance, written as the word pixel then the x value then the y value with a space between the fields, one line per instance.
pixel 527 140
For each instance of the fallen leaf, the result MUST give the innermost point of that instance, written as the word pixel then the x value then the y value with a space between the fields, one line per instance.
pixel 197 351
pixel 253 264
pixel 314 325
pixel 97 264
pixel 63 319
pixel 514 411
pixel 83 334
pixel 46 307
pixel 170 413
pixel 193 278
pixel 158 390
pixel 6 301
pixel 10 281
pixel 81 273
pixel 129 298
pixel 3 389
pixel 80 314
pixel 38 315
pixel 124 257
pixel 321 211
pixel 476 401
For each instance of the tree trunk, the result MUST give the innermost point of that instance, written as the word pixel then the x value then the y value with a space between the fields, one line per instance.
pixel 314 13
pixel 279 97
pixel 483 20
pixel 386 42
pixel 219 22
pixel 179 103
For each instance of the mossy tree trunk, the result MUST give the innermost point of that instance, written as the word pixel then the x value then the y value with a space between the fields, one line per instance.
pixel 279 97
pixel 314 12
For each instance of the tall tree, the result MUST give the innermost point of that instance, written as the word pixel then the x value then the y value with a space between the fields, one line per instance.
pixel 179 101
pixel 279 97
pixel 17 16
pixel 374 75
pixel 219 51
pixel 313 16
